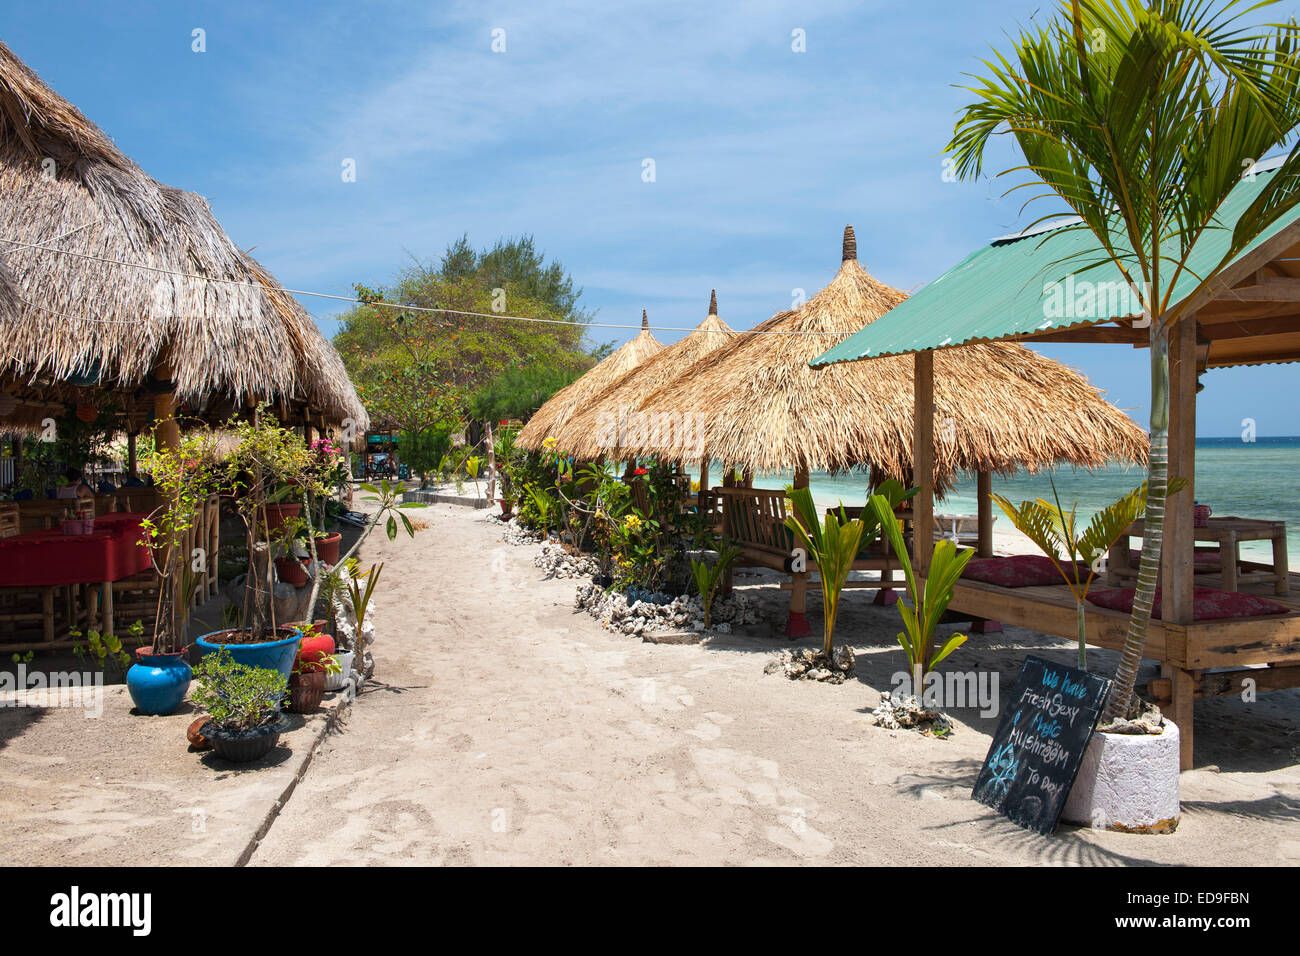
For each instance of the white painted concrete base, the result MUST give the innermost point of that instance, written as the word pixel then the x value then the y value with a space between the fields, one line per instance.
pixel 1128 782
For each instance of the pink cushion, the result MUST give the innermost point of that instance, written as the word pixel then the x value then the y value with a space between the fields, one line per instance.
pixel 1017 571
pixel 1208 604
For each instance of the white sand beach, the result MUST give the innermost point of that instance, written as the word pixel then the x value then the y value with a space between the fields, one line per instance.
pixel 505 727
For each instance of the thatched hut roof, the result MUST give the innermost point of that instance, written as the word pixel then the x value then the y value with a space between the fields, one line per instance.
pixel 603 429
pixel 575 397
pixel 97 269
pixel 998 407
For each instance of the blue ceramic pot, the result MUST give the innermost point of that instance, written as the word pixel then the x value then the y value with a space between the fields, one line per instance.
pixel 275 655
pixel 157 682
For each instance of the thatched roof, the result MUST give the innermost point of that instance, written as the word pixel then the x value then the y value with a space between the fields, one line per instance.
pixel 608 422
pixel 998 407
pixel 575 397
pixel 74 309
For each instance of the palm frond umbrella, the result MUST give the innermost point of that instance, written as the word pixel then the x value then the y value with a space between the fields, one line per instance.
pixel 576 396
pixel 998 407
pixel 611 427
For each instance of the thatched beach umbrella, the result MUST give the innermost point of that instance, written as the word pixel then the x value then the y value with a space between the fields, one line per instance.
pixel 998 407
pixel 97 278
pixel 575 397
pixel 611 427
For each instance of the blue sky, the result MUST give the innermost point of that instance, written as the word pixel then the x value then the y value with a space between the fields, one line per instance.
pixel 761 154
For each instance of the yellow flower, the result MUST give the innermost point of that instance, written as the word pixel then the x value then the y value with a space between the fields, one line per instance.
pixel 549 443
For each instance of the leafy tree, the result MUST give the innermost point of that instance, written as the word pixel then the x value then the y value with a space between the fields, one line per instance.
pixel 417 369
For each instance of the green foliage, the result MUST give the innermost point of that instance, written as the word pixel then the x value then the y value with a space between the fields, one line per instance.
pixel 419 369
pixel 834 546
pixel 104 651
pixel 361 587
pixel 707 574
pixel 185 476
pixel 425 450
pixel 928 605
pixel 234 696
pixel 519 391
pixel 1055 531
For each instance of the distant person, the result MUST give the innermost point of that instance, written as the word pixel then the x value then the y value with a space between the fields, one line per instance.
pixel 76 486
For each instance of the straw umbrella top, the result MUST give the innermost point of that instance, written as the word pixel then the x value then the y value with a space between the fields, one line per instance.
pixel 574 397
pixel 998 408
pixel 96 281
pixel 589 434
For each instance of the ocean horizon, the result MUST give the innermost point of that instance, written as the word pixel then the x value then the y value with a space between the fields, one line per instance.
pixel 1246 479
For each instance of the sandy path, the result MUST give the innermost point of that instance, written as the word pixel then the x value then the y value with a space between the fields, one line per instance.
pixel 503 727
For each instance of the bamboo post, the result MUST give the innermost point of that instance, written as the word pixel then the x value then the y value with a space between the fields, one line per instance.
pixel 796 623
pixel 923 461
pixel 984 507
pixel 1178 553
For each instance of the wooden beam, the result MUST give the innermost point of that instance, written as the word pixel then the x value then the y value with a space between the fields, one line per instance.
pixel 923 460
pixel 1267 290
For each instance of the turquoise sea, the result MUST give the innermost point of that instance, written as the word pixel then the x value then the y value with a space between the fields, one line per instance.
pixel 1259 479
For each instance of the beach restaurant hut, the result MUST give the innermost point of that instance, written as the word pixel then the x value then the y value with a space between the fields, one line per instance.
pixel 576 396
pixel 119 292
pixel 611 427
pixel 1220 620
pixel 112 283
pixel 1002 408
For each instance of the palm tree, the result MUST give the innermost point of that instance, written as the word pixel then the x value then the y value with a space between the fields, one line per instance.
pixel 1056 532
pixel 1142 118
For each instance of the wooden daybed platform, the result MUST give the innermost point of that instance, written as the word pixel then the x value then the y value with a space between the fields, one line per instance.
pixel 1201 659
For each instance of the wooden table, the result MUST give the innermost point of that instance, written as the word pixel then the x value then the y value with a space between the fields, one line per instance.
pixel 1227 533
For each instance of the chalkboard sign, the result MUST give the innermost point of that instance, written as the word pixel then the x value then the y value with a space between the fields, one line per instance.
pixel 1035 755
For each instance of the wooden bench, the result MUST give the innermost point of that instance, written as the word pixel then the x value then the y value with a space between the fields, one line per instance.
pixel 753 520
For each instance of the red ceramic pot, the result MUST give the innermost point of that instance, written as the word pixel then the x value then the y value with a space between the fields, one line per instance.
pixel 315 647
pixel 276 515
pixel 327 548
pixel 290 572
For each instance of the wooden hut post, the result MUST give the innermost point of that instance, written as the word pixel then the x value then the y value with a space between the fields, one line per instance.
pixel 984 507
pixel 131 462
pixel 923 461
pixel 796 623
pixel 1178 552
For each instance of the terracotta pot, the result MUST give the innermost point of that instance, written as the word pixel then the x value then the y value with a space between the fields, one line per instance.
pixel 306 691
pixel 327 548
pixel 290 572
pixel 507 508
pixel 276 515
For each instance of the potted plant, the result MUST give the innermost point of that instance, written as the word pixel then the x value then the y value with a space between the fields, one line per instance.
pixel 1124 782
pixel 269 463
pixel 242 704
pixel 186 475
pixel 307 683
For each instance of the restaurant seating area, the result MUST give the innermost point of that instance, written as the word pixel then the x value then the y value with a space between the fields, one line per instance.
pixel 58 579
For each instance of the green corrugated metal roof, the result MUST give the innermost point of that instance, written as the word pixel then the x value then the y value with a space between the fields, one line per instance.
pixel 1006 289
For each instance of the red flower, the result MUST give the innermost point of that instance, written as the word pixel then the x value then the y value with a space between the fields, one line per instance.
pixel 639 471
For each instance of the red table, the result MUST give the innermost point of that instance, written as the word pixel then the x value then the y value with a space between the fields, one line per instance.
pixel 45 559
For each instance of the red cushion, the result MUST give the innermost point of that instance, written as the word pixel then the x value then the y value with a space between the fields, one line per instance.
pixel 1208 604
pixel 1017 571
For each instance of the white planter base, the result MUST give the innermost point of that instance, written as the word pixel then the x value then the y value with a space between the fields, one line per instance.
pixel 1127 782
pixel 339 680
